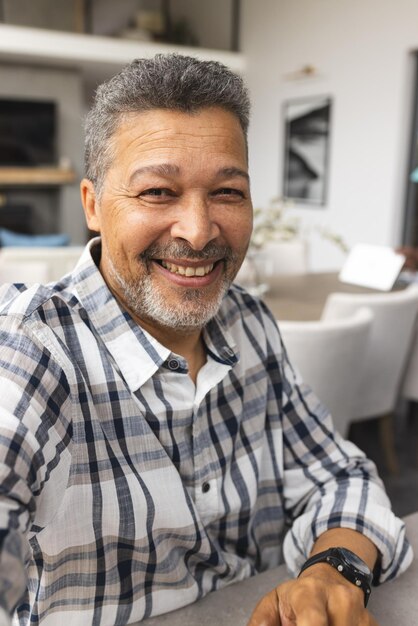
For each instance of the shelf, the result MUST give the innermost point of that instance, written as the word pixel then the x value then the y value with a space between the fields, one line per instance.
pixel 96 56
pixel 29 176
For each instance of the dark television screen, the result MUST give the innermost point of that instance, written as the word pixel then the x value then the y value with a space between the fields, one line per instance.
pixel 27 132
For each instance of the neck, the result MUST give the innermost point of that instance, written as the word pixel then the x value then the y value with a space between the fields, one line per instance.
pixel 188 344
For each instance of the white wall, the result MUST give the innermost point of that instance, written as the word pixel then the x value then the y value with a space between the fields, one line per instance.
pixel 363 50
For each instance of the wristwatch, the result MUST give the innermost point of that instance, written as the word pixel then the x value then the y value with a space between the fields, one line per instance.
pixel 348 564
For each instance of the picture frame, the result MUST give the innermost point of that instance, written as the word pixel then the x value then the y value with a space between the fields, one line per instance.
pixel 307 123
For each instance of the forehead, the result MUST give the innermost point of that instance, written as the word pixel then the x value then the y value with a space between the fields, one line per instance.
pixel 209 130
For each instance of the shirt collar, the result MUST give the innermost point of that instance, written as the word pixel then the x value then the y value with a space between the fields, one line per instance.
pixel 137 353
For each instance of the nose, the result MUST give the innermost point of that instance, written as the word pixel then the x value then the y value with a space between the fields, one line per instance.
pixel 195 224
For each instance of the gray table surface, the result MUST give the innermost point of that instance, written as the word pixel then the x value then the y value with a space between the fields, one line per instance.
pixel 302 297
pixel 394 603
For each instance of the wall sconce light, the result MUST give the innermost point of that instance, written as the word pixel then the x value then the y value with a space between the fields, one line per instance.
pixel 306 71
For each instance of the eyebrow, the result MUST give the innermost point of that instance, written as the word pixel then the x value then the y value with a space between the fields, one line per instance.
pixel 169 169
pixel 160 169
pixel 229 172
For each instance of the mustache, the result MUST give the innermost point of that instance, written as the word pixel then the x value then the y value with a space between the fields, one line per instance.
pixel 181 250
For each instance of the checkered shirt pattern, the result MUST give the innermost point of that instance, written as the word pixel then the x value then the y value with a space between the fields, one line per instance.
pixel 127 491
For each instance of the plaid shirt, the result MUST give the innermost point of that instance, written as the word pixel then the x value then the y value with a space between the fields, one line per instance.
pixel 127 491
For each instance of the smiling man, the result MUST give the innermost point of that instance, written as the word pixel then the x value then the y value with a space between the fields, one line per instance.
pixel 155 442
pixel 175 216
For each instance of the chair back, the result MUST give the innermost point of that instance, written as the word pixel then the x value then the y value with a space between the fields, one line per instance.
pixel 388 347
pixel 286 257
pixel 327 354
pixel 28 272
pixel 409 387
pixel 40 265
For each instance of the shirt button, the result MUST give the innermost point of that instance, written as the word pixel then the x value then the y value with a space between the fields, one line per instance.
pixel 173 364
pixel 205 487
pixel 228 351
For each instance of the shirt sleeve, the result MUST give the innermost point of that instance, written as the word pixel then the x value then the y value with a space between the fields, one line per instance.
pixel 35 435
pixel 329 483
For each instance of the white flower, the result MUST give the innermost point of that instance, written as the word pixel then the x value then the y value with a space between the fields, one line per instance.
pixel 271 224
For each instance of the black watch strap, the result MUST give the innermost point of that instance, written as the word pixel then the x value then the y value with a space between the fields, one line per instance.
pixel 348 565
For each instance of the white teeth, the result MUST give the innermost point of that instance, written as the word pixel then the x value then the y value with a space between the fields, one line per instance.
pixel 187 271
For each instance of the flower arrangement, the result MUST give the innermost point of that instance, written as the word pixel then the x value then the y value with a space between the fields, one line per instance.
pixel 271 224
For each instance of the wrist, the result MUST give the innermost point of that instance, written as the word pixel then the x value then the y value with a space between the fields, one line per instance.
pixel 329 575
pixel 345 565
pixel 349 539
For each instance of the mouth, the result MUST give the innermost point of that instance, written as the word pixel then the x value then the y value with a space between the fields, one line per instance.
pixel 189 271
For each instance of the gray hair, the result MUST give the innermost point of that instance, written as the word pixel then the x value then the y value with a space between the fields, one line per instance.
pixel 167 81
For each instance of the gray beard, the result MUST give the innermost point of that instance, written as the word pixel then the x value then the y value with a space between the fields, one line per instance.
pixel 195 310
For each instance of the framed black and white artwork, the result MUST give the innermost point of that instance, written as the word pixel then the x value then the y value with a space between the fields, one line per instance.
pixel 306 156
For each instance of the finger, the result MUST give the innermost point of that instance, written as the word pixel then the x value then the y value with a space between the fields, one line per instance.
pixel 266 613
pixel 307 610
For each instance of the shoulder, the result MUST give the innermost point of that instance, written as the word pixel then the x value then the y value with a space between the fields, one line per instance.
pixel 33 320
pixel 25 301
pixel 249 316
pixel 238 302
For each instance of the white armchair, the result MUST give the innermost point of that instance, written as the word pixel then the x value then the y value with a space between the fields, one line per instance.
pixel 327 354
pixel 276 257
pixel 37 265
pixel 383 365
pixel 286 257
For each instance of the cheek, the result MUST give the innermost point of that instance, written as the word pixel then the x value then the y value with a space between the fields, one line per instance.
pixel 238 231
pixel 129 233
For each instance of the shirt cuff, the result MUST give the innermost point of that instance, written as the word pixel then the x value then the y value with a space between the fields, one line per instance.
pixel 379 525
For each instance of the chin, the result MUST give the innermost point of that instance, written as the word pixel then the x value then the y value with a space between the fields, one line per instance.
pixel 187 316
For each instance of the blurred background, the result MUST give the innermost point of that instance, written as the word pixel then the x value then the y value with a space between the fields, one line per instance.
pixel 345 166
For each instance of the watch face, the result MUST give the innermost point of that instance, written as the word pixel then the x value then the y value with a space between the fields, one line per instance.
pixel 353 560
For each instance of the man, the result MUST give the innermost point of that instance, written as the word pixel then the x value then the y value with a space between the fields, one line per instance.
pixel 155 444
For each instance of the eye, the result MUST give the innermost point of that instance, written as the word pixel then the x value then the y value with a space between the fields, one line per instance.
pixel 157 192
pixel 229 192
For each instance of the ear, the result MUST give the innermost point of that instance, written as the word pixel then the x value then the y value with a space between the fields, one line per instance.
pixel 90 204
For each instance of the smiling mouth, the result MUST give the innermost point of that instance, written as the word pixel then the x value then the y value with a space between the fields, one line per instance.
pixel 185 270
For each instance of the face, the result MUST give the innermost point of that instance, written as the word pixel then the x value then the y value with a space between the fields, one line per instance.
pixel 174 214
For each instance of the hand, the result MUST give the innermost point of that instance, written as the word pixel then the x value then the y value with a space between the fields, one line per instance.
pixel 411 257
pixel 319 597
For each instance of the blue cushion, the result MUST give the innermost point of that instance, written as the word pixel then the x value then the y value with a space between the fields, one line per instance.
pixel 9 238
